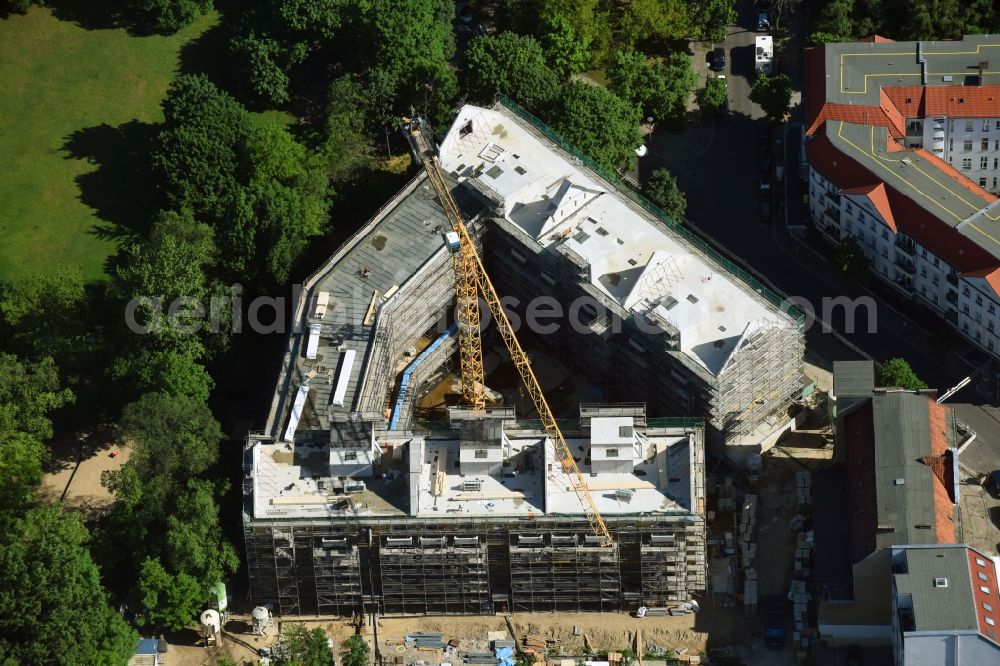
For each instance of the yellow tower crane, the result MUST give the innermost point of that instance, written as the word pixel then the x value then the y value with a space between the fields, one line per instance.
pixel 471 281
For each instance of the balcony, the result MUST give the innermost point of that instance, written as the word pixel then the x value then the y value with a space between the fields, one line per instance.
pixel 952 296
pixel 952 316
pixel 952 279
pixel 905 264
pixel 906 245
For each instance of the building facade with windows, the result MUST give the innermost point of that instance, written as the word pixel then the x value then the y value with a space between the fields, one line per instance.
pixel 904 157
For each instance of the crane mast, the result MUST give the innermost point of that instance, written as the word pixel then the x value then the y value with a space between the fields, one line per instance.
pixel 471 280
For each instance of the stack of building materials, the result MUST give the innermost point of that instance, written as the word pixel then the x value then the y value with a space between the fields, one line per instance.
pixel 803 487
pixel 803 554
pixel 800 597
pixel 483 658
pixel 727 495
pixel 746 535
pixel 426 640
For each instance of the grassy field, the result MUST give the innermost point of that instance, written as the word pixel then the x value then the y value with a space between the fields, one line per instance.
pixel 65 91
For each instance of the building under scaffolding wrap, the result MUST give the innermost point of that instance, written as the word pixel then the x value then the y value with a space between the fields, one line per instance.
pixel 351 499
pixel 478 517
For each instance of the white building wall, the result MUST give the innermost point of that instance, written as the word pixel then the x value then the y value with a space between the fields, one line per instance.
pixel 968 304
pixel 970 145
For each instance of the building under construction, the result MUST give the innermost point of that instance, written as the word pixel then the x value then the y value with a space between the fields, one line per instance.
pixel 354 503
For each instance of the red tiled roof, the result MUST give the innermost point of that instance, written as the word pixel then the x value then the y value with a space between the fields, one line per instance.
pixel 991 275
pixel 963 101
pixel 860 114
pixel 878 39
pixel 908 100
pixel 911 218
pixel 944 503
pixel 979 598
pixel 880 199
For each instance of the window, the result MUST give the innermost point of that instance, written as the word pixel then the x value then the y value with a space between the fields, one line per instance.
pixel 966 146
pixel 989 621
pixel 350 455
pixel 967 163
pixel 481 454
pixel 965 327
pixel 885 234
pixel 965 290
pixel 998 124
pixel 861 216
pixel 968 123
pixel 935 262
pixel 923 271
pixel 989 343
pixel 990 308
pixel 980 562
pixel 934 280
pixel 989 327
pixel 984 589
pixel 985 145
pixel 982 182
pixel 979 299
pixel 612 453
pixel 934 298
pixel 965 308
pixel 624 431
pixel 996 163
pixel 984 162
pixel 978 338
pixel 986 606
pixel 923 252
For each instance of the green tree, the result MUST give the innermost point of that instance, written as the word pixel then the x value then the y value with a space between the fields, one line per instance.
pixel 171 602
pixel 411 49
pixel 712 97
pixel 773 94
pixel 346 148
pixel 565 48
pixel 849 260
pixel 45 314
pixel 53 609
pixel 29 392
pixel 356 653
pixel 194 541
pixel 511 64
pixel 306 647
pixel 265 63
pixel 836 18
pixel 673 82
pixel 661 188
pixel 641 20
pixel 174 371
pixel 172 438
pixel 660 90
pixel 599 123
pixel 897 372
pixel 168 15
pixel 819 37
pixel 169 264
pixel 201 151
pixel 709 19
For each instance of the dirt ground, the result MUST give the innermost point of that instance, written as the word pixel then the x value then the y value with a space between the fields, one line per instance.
pixel 78 485
pixel 605 631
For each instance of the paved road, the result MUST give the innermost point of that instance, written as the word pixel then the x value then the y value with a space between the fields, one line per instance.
pixel 982 455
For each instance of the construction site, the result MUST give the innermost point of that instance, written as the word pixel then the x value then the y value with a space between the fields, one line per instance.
pixel 401 472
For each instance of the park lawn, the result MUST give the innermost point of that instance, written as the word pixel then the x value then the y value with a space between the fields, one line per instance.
pixel 58 78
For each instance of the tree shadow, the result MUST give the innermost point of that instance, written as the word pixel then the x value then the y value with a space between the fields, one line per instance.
pixel 208 54
pixel 104 15
pixel 121 190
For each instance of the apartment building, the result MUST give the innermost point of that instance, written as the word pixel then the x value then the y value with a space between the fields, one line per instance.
pixel 945 606
pixel 904 156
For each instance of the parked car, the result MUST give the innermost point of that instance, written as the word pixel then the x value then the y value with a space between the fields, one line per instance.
pixel 717 60
pixel 765 187
pixel 763 22
pixel 764 210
